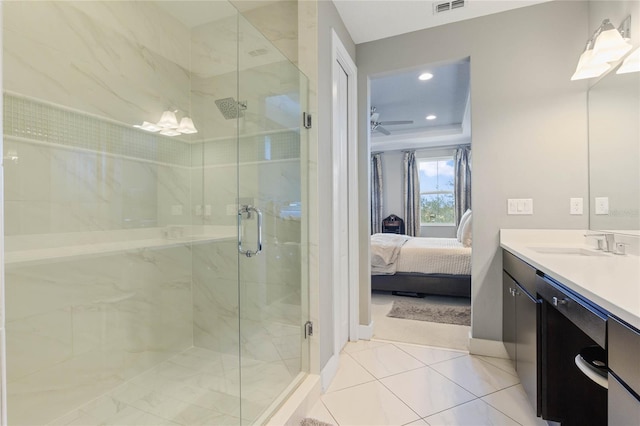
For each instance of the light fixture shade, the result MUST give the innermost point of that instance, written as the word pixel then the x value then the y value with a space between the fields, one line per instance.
pixel 149 127
pixel 631 64
pixel 609 47
pixel 186 126
pixel 169 132
pixel 168 120
pixel 587 69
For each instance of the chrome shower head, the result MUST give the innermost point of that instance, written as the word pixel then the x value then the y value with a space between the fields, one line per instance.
pixel 230 108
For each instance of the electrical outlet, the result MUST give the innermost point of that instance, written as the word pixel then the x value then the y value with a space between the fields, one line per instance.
pixel 575 206
pixel 602 205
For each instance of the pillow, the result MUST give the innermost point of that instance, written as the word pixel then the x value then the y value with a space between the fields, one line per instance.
pixel 463 219
pixel 466 233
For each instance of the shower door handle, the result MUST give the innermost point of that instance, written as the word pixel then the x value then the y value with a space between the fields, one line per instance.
pixel 248 210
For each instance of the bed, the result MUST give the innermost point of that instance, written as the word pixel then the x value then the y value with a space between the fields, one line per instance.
pixel 403 264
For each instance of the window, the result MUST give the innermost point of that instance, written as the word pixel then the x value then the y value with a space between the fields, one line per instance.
pixel 436 177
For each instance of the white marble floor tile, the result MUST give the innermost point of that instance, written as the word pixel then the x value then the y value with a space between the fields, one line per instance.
pixel 350 373
pixel 361 345
pixel 430 355
pixel 514 403
pixel 386 360
pixel 476 376
pixel 320 412
pixel 368 404
pixel 474 413
pixel 426 392
pixel 502 363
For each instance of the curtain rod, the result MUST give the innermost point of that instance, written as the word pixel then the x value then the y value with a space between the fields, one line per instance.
pixel 424 149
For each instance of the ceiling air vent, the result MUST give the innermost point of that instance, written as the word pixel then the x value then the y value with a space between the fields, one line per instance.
pixel 447 5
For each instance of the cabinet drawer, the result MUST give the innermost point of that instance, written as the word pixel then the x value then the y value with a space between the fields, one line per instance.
pixel 624 347
pixel 523 273
pixel 623 408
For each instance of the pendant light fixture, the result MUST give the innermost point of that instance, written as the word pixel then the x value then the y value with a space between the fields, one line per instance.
pixel 631 63
pixel 606 45
pixel 168 125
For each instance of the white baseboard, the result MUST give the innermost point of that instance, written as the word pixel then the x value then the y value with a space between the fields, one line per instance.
pixel 329 371
pixel 365 331
pixel 494 348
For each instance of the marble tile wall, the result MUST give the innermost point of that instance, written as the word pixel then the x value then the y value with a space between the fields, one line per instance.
pixel 90 325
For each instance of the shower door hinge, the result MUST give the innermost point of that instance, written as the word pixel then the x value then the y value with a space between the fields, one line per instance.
pixel 306 120
pixel 308 329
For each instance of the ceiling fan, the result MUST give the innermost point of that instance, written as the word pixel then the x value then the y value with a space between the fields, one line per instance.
pixel 377 125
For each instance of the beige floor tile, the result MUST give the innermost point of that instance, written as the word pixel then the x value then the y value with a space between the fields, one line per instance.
pixel 426 392
pixel 430 355
pixel 514 403
pixel 386 360
pixel 474 413
pixel 476 376
pixel 320 412
pixel 350 373
pixel 368 404
pixel 361 345
pixel 502 363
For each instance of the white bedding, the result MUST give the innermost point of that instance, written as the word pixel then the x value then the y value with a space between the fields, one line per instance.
pixel 421 255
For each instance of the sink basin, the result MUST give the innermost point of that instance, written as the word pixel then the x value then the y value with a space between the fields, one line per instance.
pixel 567 251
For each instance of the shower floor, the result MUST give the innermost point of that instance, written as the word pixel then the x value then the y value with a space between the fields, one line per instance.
pixel 195 387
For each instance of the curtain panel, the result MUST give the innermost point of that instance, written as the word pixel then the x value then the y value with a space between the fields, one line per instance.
pixel 376 193
pixel 411 194
pixel 462 182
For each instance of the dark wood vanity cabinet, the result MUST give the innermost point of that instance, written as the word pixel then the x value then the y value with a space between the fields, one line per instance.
pixel 520 310
pixel 624 376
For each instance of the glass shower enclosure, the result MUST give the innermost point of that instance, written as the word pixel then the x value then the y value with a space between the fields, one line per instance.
pixel 153 275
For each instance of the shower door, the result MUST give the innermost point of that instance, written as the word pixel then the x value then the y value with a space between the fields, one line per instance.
pixel 250 289
pixel 271 224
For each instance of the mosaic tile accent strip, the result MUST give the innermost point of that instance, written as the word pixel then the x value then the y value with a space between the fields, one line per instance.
pixel 274 146
pixel 39 121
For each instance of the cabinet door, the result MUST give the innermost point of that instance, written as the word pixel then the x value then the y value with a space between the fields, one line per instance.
pixel 624 408
pixel 509 315
pixel 526 344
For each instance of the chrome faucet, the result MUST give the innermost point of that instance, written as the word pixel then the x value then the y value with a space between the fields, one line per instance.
pixel 609 240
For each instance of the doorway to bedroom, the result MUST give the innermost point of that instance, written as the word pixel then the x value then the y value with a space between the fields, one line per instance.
pixel 421 220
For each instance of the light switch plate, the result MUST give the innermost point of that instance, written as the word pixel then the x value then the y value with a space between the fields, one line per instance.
pixel 602 205
pixel 176 210
pixel 575 206
pixel 520 206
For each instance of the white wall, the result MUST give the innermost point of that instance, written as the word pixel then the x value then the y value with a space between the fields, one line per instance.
pixel 328 19
pixel 528 120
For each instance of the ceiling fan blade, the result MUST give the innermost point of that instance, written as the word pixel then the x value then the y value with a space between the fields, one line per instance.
pixel 396 122
pixel 383 130
pixel 375 116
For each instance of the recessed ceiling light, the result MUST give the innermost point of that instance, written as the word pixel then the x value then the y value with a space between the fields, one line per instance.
pixel 425 76
pixel 430 117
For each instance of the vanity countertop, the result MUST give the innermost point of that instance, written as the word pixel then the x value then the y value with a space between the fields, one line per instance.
pixel 610 281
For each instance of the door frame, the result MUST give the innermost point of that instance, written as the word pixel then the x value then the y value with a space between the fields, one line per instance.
pixel 340 59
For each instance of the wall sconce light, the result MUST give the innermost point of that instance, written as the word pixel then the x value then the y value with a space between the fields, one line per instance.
pixel 607 44
pixel 168 125
pixel 631 63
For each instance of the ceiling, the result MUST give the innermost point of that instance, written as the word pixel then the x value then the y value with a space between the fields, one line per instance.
pixel 402 96
pixel 369 20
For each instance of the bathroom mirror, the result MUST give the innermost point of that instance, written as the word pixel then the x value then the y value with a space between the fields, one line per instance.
pixel 614 153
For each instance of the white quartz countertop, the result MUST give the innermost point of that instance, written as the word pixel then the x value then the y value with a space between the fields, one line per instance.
pixel 609 281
